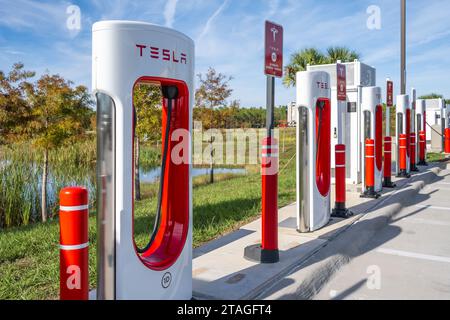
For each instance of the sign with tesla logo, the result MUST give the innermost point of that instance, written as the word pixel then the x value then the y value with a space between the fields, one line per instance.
pixel 273 58
pixel 389 93
pixel 341 83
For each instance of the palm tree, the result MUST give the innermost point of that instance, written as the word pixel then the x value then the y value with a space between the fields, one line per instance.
pixel 312 56
pixel 299 61
pixel 341 53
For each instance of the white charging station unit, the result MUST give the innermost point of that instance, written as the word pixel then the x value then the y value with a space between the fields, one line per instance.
pixel 434 116
pixel 313 150
pixel 372 128
pixel 358 75
pixel 414 119
pixel 125 53
pixel 447 115
pixel 420 124
pixel 403 126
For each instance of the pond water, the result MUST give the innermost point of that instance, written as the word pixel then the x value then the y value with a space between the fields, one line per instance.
pixel 152 175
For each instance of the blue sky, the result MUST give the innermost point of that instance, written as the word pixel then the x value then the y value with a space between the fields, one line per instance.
pixel 229 37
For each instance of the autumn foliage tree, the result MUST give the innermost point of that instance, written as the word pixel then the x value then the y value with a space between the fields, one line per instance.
pixel 60 113
pixel 15 110
pixel 212 93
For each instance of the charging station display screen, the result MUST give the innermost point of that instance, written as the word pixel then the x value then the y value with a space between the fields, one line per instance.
pixel 323 146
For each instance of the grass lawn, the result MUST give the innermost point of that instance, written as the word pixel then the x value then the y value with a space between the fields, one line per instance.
pixel 29 256
pixel 435 156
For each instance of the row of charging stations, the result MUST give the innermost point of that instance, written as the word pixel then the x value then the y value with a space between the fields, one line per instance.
pixel 314 137
pixel 358 76
pixel 314 150
pixel 127 54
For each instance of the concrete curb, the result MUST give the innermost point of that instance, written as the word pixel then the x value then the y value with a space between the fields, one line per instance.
pixel 322 264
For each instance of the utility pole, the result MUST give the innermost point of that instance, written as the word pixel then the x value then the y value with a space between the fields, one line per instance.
pixel 403 47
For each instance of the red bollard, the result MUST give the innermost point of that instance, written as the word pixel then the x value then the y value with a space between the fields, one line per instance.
pixel 369 182
pixel 422 147
pixel 402 149
pixel 339 207
pixel 74 242
pixel 387 181
pixel 412 144
pixel 267 252
pixel 447 140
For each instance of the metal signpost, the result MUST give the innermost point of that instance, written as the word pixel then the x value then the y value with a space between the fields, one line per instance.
pixel 273 66
pixel 389 104
pixel 267 251
pixel 341 86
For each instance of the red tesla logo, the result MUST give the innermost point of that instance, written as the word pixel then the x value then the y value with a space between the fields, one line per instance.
pixel 161 54
pixel 322 85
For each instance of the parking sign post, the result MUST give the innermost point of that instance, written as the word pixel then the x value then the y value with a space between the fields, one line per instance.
pixel 267 251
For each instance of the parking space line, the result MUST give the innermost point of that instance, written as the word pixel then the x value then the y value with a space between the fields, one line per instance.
pixel 428 221
pixel 431 207
pixel 415 255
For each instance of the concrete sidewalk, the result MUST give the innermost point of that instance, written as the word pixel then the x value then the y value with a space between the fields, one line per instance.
pixel 409 258
pixel 221 272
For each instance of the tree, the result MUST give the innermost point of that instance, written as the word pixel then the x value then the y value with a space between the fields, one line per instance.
pixel 435 96
pixel 431 96
pixel 311 56
pixel 341 53
pixel 14 107
pixel 299 61
pixel 212 93
pixel 59 114
pixel 147 105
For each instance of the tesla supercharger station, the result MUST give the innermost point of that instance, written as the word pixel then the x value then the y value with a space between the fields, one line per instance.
pixel 358 76
pixel 372 128
pixel 403 126
pixel 313 150
pixel 420 125
pixel 434 118
pixel 447 116
pixel 124 54
pixel 442 109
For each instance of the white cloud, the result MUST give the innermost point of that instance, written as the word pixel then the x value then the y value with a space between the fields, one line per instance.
pixel 273 7
pixel 27 14
pixel 210 20
pixel 169 12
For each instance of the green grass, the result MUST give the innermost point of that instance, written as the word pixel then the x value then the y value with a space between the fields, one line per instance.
pixel 29 256
pixel 21 173
pixel 435 156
